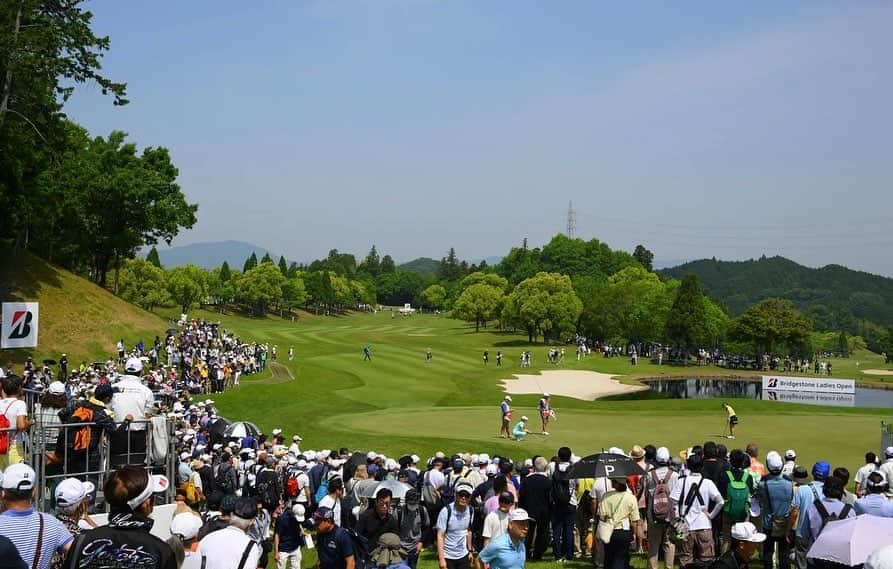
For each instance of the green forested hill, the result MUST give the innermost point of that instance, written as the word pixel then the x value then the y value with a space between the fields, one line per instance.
pixel 423 265
pixel 836 297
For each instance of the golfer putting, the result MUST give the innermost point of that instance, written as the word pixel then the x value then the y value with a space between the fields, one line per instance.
pixel 731 422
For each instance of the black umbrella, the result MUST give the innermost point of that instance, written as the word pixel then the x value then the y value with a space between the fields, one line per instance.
pixel 357 458
pixel 49 362
pixel 218 430
pixel 173 330
pixel 605 465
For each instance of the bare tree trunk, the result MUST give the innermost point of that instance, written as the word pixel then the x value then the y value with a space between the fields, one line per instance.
pixel 7 80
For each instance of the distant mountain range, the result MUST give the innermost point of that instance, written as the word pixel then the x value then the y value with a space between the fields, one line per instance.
pixel 211 254
pixel 834 296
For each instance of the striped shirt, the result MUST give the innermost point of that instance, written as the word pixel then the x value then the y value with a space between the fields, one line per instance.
pixel 48 419
pixel 22 528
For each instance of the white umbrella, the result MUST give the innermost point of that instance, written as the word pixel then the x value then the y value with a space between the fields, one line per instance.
pixel 852 540
pixel 241 429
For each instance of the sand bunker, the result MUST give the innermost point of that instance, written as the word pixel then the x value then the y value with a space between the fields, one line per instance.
pixel 878 371
pixel 587 385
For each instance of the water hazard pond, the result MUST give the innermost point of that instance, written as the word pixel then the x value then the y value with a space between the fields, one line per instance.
pixel 702 388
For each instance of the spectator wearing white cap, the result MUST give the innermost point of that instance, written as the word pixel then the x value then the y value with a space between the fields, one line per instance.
pixel 288 537
pixel 72 498
pixel 790 463
pixel 508 550
pixel 295 447
pixel 454 523
pixel 184 534
pixel 660 531
pixel 886 467
pixel 36 536
pixel 776 495
pixel 745 542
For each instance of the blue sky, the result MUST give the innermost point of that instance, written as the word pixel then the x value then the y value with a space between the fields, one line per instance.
pixel 697 129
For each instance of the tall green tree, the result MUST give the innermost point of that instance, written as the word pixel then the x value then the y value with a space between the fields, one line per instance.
pixel 371 264
pixel 886 345
pixel 250 262
pixel 387 264
pixel 686 322
pixel 260 287
pixel 771 324
pixel 433 297
pixel 187 286
pixel 153 257
pixel 283 268
pixel 544 304
pixel 478 303
pixel 143 284
pixel 450 268
pixel 266 258
pixel 644 257
pixel 225 273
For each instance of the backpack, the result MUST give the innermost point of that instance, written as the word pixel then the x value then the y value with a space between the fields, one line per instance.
pixel 448 490
pixel 429 496
pixel 193 494
pixel 361 557
pixel 661 508
pixel 823 511
pixel 224 482
pixel 291 487
pixel 322 491
pixel 4 433
pixel 561 489
pixel 738 503
pixel 266 490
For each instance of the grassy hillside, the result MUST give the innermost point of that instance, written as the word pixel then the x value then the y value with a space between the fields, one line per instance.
pixel 76 316
pixel 835 297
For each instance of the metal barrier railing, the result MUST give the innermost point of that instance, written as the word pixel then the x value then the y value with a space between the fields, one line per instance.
pixel 49 449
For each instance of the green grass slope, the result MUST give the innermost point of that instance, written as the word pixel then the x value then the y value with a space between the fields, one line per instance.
pixel 76 316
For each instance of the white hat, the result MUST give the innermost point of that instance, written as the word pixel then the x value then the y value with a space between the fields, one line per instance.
pixel 133 365
pixel 297 438
pixel 391 464
pixel 324 453
pixel 508 397
pixel 185 526
pixel 371 455
pixel 790 454
pixel 528 462
pixel 774 462
pixel 56 388
pixel 157 483
pixel 475 460
pixel 298 511
pixel 217 446
pixel 881 558
pixel 310 454
pixel 415 458
pixel 888 452
pixel 209 401
pixel 483 458
pixel 302 463
pixel 524 418
pixel 277 432
pixel 616 450
pixel 184 456
pixel 546 394
pixel 72 491
pixel 663 455
pixel 519 515
pixel 491 469
pixel 464 487
pixel 746 531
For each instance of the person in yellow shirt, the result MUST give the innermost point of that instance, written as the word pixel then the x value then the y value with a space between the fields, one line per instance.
pixel 618 510
pixel 583 517
pixel 733 419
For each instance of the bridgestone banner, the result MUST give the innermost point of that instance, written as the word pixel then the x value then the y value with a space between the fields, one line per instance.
pixel 807 384
pixel 19 325
pixel 811 398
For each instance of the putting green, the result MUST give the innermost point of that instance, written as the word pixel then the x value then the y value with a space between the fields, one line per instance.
pixel 846 437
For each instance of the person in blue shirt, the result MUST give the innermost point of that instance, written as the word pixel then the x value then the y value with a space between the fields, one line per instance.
pixel 806 495
pixel 505 412
pixel 874 502
pixel 334 547
pixel 520 431
pixel 507 551
pixel 776 494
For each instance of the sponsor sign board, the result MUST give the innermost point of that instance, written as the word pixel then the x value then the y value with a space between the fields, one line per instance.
pixel 19 325
pixel 811 398
pixel 819 384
